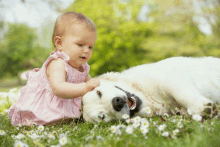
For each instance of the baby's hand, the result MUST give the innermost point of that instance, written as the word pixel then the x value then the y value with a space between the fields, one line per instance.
pixel 91 84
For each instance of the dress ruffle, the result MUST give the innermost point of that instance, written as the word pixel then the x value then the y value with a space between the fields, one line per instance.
pixel 38 104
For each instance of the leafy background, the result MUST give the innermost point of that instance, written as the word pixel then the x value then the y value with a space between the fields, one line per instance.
pixel 170 28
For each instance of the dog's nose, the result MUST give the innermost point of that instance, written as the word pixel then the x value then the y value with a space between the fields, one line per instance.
pixel 118 103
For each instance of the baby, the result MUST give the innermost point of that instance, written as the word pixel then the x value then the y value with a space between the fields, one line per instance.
pixel 53 93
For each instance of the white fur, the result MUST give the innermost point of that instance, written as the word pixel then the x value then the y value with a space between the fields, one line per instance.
pixel 188 83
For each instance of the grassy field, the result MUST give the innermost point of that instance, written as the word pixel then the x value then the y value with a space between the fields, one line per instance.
pixel 164 131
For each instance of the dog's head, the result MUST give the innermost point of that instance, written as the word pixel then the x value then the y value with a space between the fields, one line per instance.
pixel 109 102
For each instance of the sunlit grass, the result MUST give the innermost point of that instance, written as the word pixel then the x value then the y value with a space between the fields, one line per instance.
pixel 168 131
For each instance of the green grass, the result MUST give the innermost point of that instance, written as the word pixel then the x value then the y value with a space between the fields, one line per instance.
pixel 191 134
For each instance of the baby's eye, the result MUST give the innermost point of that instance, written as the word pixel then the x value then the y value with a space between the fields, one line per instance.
pixel 80 45
pixel 91 47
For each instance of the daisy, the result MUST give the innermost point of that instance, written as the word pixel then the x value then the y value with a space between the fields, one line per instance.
pixel 161 127
pixel 197 117
pixel 121 126
pixel 18 143
pixel 165 134
pixel 34 136
pixel 125 116
pixel 55 145
pixel 137 119
pixel 175 131
pixel 129 130
pixel 165 114
pixel 99 137
pixel 2 132
pixel 179 125
pixel 62 135
pixel 28 121
pixel 51 136
pixel 63 140
pixel 144 130
pixel 40 128
pixel 148 110
pixel 113 129
pixel 128 121
pixel 136 124
pixel 145 124
pixel 189 111
pixel 19 136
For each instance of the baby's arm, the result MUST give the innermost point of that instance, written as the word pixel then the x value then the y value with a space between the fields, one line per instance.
pixel 57 75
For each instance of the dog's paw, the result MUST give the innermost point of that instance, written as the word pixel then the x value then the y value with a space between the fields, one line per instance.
pixel 210 111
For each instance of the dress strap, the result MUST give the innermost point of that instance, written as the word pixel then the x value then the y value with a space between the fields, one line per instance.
pixel 55 55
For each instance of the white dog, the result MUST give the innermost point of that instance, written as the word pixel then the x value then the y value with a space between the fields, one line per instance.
pixel 190 84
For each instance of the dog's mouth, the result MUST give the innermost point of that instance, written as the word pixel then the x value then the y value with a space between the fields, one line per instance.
pixel 131 103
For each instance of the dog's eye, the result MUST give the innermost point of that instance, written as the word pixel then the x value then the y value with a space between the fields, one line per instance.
pixel 99 94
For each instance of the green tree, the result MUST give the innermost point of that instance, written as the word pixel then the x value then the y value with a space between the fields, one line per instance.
pixel 19 51
pixel 120 33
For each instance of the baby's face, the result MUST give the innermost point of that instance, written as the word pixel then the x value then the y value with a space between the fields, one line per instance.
pixel 78 43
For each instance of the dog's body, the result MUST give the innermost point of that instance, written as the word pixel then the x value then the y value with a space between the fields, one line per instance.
pixel 179 82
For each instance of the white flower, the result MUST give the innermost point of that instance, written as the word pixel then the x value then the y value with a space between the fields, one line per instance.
pixel 173 120
pixel 189 111
pixel 162 127
pixel 136 124
pixel 148 110
pixel 179 125
pixel 144 130
pixel 113 129
pixel 197 117
pixel 51 136
pixel 165 134
pixel 63 140
pixel 29 133
pixel 121 126
pixel 143 120
pixel 87 138
pixel 34 136
pixel 175 131
pixel 40 128
pixel 99 137
pixel 165 114
pixel 129 130
pixel 128 121
pixel 29 121
pixel 125 116
pixel 64 135
pixel 3 94
pixel 18 143
pixel 2 132
pixel 137 119
pixel 55 145
pixel 145 124
pixel 19 136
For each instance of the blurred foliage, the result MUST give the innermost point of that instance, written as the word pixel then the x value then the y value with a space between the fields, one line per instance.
pixel 124 40
pixel 170 28
pixel 18 52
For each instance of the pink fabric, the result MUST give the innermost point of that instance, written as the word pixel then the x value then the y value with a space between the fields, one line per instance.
pixel 37 102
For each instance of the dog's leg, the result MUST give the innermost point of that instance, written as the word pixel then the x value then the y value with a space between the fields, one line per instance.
pixel 190 98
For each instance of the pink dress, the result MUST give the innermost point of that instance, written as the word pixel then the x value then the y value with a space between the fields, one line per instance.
pixel 37 103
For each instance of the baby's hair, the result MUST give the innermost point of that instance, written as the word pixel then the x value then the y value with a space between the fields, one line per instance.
pixel 66 20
